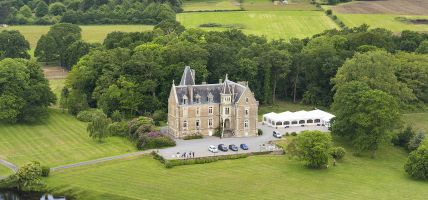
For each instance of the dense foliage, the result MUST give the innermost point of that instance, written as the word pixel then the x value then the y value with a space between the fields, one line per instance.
pixel 98 127
pixel 13 45
pixel 27 178
pixel 403 137
pixel 88 11
pixel 24 92
pixel 314 148
pixel 132 73
pixel 417 163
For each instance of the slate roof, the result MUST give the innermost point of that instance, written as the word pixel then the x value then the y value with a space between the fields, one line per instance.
pixel 189 89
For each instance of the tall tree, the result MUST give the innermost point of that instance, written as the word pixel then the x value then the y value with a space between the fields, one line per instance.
pixel 42 9
pixel 97 128
pixel 75 52
pixel 46 49
pixel 13 45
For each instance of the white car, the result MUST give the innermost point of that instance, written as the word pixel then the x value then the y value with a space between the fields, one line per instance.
pixel 213 149
pixel 277 134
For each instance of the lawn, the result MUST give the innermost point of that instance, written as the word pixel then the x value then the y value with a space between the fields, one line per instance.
pixel 417 120
pixel 263 5
pixel 90 33
pixel 258 177
pixel 386 21
pixel 4 171
pixel 58 140
pixel 56 86
pixel 210 5
pixel 273 24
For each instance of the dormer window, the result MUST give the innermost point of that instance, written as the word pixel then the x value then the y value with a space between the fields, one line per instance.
pixel 185 100
pixel 210 98
pixel 198 98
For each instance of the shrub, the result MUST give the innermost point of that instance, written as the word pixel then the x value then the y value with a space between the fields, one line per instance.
pixel 172 163
pixel 159 116
pixel 87 115
pixel 328 12
pixel 416 141
pixel 135 125
pixel 334 17
pixel 259 132
pixel 403 137
pixel 417 163
pixel 193 136
pixel 337 152
pixel 313 147
pixel 116 116
pixel 293 134
pixel 118 128
pixel 154 140
pixel 45 171
pixel 287 134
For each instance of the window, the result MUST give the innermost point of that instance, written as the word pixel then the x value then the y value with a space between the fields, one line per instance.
pixel 246 100
pixel 185 99
pixel 317 120
pixel 279 123
pixel 246 124
pixel 184 124
pixel 226 111
pixel 197 123
pixel 210 110
pixel 286 122
pixel 198 98
pixel 210 98
pixel 247 111
pixel 197 111
pixel 309 121
pixel 210 123
pixel 301 121
pixel 294 122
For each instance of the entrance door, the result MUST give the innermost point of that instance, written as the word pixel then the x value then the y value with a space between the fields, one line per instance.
pixel 227 124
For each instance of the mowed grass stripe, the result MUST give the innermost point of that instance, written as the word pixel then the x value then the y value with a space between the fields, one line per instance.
pixel 58 140
pixel 259 177
pixel 272 24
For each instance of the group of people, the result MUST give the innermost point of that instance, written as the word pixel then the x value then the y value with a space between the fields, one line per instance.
pixel 190 154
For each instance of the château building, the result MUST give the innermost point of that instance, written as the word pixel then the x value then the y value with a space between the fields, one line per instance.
pixel 228 107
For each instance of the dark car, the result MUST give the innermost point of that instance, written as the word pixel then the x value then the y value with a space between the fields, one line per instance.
pixel 244 146
pixel 233 147
pixel 222 147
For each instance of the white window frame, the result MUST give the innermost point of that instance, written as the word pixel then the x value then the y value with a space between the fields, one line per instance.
pixel 210 110
pixel 210 122
pixel 246 124
pixel 185 124
pixel 198 123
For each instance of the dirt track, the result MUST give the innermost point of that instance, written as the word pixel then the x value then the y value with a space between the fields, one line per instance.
pixel 52 72
pixel 403 7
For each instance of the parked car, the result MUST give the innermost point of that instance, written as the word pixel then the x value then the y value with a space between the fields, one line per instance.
pixel 277 134
pixel 233 147
pixel 212 149
pixel 244 146
pixel 222 147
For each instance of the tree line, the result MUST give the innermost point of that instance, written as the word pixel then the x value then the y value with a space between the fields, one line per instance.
pixel 45 12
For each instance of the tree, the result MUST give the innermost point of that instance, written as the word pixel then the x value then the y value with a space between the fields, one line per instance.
pixel 64 35
pixel 377 70
pixel 24 92
pixel 417 163
pixel 376 115
pixel 28 177
pixel 42 9
pixel 314 148
pixel 46 49
pixel 98 127
pixel 75 52
pixel 170 26
pixel 13 45
pixel 26 11
pixel 57 8
pixel 403 137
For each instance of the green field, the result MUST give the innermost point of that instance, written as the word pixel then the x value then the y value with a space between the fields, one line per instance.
pixel 204 5
pixel 90 33
pixel 263 5
pixel 4 171
pixel 259 177
pixel 382 21
pixel 59 140
pixel 417 120
pixel 273 24
pixel 56 86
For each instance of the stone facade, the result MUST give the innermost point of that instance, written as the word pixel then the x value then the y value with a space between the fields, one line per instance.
pixel 202 109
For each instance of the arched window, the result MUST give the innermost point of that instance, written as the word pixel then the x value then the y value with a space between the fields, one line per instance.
pixel 279 123
pixel 317 120
pixel 309 121
pixel 286 122
pixel 301 121
pixel 294 122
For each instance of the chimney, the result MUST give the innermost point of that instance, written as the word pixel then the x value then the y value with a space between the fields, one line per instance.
pixel 220 81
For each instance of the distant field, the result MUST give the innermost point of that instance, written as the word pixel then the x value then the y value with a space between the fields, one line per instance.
pixel 209 5
pixel 90 33
pixel 398 7
pixel 383 21
pixel 263 5
pixel 258 177
pixel 273 24
pixel 59 140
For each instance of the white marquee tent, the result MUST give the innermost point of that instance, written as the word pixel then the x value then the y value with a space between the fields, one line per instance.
pixel 299 118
